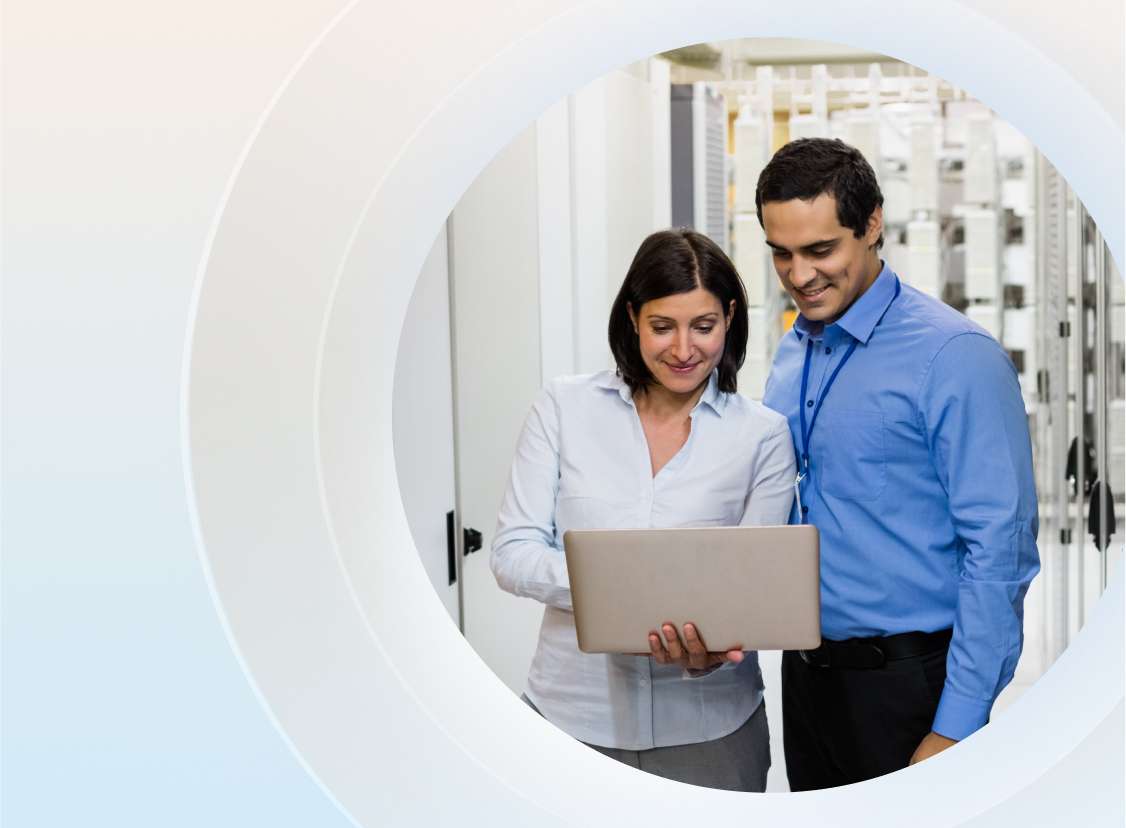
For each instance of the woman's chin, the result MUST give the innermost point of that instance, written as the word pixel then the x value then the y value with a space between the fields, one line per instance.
pixel 682 383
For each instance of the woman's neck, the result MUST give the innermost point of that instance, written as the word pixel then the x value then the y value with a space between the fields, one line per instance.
pixel 659 402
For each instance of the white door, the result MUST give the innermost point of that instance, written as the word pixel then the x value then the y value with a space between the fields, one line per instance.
pixel 422 424
pixel 494 261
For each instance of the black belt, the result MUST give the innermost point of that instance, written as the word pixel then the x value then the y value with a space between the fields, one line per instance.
pixel 873 653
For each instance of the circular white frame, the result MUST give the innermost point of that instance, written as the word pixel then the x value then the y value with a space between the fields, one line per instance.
pixel 287 416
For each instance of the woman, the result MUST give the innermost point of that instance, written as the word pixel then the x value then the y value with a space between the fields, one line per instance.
pixel 663 441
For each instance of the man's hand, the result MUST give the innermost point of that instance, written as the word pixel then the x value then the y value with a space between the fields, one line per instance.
pixel 690 653
pixel 932 743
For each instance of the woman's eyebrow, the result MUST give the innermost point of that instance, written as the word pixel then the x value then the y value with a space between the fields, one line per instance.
pixel 654 317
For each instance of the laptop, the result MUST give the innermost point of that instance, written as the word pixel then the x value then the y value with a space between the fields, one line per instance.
pixel 744 587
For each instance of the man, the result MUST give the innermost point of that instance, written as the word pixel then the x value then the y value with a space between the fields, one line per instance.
pixel 914 463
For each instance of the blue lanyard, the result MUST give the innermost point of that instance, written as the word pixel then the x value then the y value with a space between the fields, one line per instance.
pixel 807 431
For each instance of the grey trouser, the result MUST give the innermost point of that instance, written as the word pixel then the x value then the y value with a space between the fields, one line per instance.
pixel 735 762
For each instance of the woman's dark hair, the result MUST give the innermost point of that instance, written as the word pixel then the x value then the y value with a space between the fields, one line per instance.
pixel 670 262
pixel 808 167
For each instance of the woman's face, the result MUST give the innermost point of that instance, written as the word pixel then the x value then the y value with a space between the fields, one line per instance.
pixel 681 337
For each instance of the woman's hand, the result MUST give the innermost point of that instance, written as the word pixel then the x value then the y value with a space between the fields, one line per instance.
pixel 691 653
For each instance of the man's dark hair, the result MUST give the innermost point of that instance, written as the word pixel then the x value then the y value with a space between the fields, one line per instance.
pixel 670 262
pixel 808 167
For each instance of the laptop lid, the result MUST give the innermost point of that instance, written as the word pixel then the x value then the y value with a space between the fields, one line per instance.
pixel 744 587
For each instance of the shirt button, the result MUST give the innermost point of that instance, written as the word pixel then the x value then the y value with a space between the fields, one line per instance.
pixel 809 403
pixel 805 510
pixel 828 350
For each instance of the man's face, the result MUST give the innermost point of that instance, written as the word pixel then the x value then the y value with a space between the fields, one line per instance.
pixel 821 264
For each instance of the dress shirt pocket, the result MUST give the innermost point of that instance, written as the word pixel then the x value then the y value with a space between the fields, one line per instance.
pixel 853 457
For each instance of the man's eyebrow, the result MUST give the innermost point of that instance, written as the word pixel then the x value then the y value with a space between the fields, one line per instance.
pixel 805 247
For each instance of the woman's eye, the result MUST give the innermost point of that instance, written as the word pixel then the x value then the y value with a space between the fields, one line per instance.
pixel 661 330
pixel 705 330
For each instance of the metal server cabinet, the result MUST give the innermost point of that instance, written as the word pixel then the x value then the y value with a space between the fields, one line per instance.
pixel 698 125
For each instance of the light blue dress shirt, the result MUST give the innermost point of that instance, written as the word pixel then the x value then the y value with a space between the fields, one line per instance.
pixel 582 462
pixel 920 483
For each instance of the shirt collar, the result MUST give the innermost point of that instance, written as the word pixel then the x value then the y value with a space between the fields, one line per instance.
pixel 712 396
pixel 861 319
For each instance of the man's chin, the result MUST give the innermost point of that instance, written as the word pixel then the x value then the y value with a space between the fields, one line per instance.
pixel 817 313
pixel 813 311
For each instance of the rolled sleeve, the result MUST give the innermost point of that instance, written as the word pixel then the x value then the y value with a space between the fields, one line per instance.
pixel 978 435
pixel 525 557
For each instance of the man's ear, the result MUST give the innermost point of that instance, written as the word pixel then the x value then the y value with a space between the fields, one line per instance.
pixel 875 227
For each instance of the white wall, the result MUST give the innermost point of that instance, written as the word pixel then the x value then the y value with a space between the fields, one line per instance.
pixel 620 152
pixel 634 139
pixel 556 240
pixel 590 231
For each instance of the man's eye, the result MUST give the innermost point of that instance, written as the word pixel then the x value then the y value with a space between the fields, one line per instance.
pixel 781 254
pixel 820 254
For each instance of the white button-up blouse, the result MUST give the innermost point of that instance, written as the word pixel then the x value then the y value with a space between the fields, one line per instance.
pixel 582 462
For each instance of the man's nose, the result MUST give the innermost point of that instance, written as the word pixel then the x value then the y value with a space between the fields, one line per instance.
pixel 802 272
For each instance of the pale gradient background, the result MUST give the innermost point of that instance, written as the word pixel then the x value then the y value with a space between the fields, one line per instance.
pixel 212 613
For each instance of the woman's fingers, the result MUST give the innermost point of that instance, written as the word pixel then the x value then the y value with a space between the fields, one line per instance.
pixel 689 651
pixel 698 657
pixel 672 642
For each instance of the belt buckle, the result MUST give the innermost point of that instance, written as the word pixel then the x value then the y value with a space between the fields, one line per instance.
pixel 815 658
pixel 878 658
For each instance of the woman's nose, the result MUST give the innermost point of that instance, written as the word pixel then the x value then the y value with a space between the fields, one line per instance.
pixel 682 347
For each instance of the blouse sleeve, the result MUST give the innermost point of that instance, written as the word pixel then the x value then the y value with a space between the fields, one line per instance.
pixel 527 558
pixel 772 483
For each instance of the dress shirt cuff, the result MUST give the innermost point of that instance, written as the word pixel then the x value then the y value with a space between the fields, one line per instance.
pixel 958 715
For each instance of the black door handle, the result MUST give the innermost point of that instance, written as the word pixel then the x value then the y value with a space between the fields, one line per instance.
pixel 1072 471
pixel 451 554
pixel 472 540
pixel 1101 534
